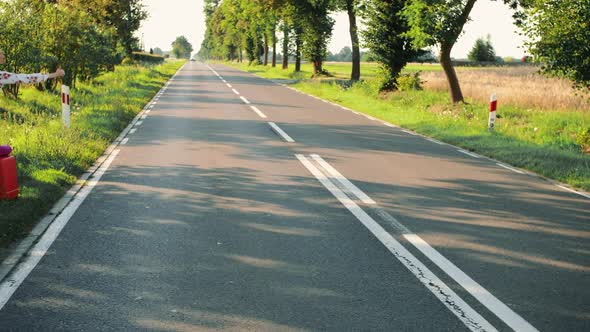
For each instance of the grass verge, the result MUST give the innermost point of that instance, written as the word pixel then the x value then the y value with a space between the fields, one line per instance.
pixel 51 158
pixel 545 142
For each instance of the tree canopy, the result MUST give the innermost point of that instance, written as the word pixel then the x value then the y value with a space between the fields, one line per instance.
pixel 181 48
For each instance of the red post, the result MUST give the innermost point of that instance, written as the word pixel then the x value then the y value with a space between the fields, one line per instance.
pixel 493 108
pixel 8 174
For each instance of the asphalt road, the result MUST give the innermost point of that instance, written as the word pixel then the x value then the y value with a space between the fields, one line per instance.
pixel 208 219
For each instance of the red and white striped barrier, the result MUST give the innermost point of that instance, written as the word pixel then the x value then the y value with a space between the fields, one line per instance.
pixel 65 105
pixel 493 108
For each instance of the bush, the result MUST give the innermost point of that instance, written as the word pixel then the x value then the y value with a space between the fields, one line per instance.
pixel 147 58
pixel 409 81
pixel 128 61
pixel 583 139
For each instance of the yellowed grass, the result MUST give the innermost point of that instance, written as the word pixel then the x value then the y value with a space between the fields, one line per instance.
pixel 518 86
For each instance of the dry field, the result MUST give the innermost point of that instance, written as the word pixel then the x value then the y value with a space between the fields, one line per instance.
pixel 518 86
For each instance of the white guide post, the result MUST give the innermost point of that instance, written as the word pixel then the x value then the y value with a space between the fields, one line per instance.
pixel 493 108
pixel 65 105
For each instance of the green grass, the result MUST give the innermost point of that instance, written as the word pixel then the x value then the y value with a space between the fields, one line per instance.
pixel 541 141
pixel 50 158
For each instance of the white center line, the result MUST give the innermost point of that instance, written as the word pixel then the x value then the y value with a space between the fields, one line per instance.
pixel 255 109
pixel 344 181
pixel 235 91
pixel 244 100
pixel 511 318
pixel 471 319
pixel 9 286
pixel 468 153
pixel 280 132
pixel 510 168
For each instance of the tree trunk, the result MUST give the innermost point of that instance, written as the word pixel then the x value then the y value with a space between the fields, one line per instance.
pixel 445 61
pixel 285 47
pixel 265 51
pixel 274 47
pixel 356 53
pixel 298 52
pixel 317 66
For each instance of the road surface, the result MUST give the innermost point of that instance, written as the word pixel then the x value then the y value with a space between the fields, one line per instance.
pixel 239 204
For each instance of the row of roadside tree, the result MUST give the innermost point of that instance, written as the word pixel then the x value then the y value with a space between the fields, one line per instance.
pixel 396 31
pixel 85 37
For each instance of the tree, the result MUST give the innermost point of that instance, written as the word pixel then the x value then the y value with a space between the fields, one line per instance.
pixel 439 22
pixel 181 48
pixel 559 32
pixel 386 39
pixel 352 8
pixel 482 51
pixel 317 30
pixel 126 17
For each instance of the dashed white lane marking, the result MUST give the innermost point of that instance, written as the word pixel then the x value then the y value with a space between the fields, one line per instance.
pixel 280 132
pixel 228 85
pixel 132 131
pixel 138 123
pixel 224 81
pixel 510 168
pixel 244 100
pixel 125 140
pixel 468 153
pixel 9 286
pixel 511 318
pixel 344 181
pixel 147 111
pixel 235 91
pixel 255 109
pixel 473 320
pixel 143 117
pixel 573 191
pixel 151 106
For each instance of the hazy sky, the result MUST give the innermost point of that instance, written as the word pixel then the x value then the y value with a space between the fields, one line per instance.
pixel 171 18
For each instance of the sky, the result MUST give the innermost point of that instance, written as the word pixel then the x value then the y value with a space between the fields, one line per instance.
pixel 169 19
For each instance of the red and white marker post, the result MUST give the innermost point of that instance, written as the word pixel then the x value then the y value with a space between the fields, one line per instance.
pixel 493 108
pixel 65 105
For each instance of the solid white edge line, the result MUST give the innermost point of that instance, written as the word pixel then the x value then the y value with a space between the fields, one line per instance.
pixel 125 140
pixel 572 191
pixel 473 320
pixel 244 100
pixel 435 141
pixel 10 285
pixel 510 168
pixel 408 132
pixel 343 180
pixel 281 133
pixel 235 91
pixel 260 114
pixel 468 153
pixel 511 318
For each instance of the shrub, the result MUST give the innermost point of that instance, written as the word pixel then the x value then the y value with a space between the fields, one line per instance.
pixel 409 81
pixel 583 139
